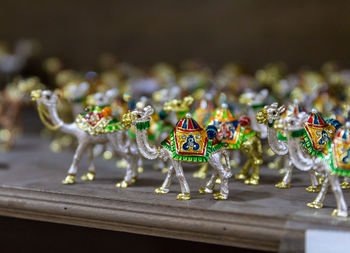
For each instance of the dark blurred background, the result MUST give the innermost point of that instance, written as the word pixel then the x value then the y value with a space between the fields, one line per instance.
pixel 253 32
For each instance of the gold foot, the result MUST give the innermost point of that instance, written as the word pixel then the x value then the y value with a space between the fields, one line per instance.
pixel 205 190
pixel 344 185
pixel 140 169
pixel 315 204
pixel 70 179
pixel 339 214
pixel 240 176
pixel 200 174
pixel 252 181
pixel 161 190
pixel 313 188
pixel 282 185
pixel 183 196
pixel 218 196
pixel 122 184
pixel 218 181
pixel 90 176
pixel 165 170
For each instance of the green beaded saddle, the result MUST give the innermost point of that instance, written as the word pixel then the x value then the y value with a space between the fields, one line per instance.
pixel 98 120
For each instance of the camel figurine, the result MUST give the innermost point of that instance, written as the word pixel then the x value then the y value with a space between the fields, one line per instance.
pixel 237 134
pixel 268 116
pixel 12 100
pixel 331 163
pixel 188 142
pixel 255 101
pixel 89 129
pixel 173 111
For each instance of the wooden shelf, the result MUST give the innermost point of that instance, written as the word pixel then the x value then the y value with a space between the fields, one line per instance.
pixel 258 217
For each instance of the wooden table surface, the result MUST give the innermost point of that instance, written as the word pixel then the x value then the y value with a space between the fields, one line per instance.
pixel 258 217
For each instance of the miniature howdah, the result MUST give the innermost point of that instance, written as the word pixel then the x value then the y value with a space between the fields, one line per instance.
pixel 95 126
pixel 189 143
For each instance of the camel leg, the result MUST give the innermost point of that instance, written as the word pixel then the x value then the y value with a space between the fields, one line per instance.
pixel 209 186
pixel 315 185
pixel 167 182
pixel 254 179
pixel 185 189
pixel 70 178
pixel 140 165
pixel 318 202
pixel 285 183
pixel 219 170
pixel 90 176
pixel 131 172
pixel 342 209
pixel 243 174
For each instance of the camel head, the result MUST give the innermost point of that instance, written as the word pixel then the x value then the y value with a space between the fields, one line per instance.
pixel 45 97
pixel 270 113
pixel 295 122
pixel 137 116
pixel 46 100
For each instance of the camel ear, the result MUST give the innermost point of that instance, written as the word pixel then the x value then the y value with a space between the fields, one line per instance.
pixel 151 110
pixel 281 109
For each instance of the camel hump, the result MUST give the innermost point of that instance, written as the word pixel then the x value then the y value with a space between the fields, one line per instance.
pixel 98 119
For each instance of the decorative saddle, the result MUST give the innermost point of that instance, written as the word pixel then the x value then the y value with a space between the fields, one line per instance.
pixel 98 120
pixel 340 152
pixel 228 126
pixel 318 133
pixel 188 141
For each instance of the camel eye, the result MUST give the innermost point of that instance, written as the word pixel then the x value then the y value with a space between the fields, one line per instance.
pixel 274 113
pixel 48 97
pixel 292 123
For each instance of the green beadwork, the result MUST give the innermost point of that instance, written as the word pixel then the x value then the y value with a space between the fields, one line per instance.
pixel 307 144
pixel 298 133
pixel 281 137
pixel 142 125
pixel 259 106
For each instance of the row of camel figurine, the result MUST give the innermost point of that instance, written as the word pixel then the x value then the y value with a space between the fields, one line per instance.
pixel 184 144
